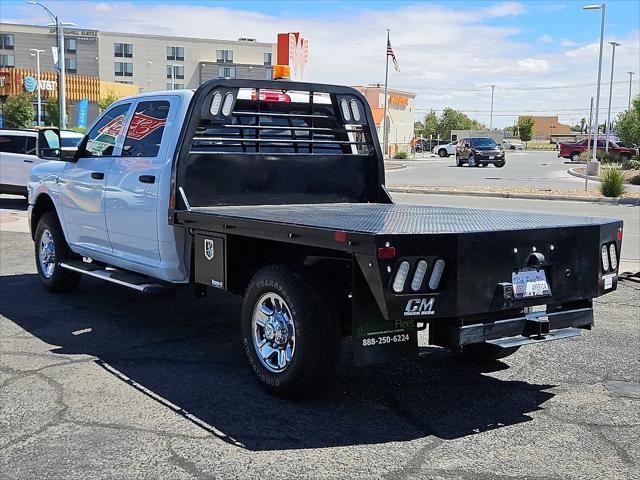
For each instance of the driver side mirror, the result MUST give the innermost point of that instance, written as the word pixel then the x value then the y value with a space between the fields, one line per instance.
pixel 50 146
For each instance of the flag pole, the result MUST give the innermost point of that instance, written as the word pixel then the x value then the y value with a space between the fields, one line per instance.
pixel 386 82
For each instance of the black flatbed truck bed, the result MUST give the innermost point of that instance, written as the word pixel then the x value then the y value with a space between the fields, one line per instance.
pixel 297 186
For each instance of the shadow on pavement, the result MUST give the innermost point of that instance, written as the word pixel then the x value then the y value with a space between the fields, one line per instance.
pixel 187 351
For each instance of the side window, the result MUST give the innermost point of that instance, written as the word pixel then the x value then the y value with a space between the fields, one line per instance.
pixel 31 146
pixel 146 128
pixel 12 143
pixel 601 143
pixel 102 138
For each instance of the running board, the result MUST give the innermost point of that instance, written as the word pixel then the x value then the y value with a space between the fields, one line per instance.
pixel 130 280
pixel 520 340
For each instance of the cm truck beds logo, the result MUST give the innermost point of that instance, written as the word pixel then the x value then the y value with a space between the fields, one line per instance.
pixel 419 307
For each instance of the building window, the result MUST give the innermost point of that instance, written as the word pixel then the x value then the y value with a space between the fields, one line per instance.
pixel 175 53
pixel 224 56
pixel 70 65
pixel 126 82
pixel 175 86
pixel 226 72
pixel 123 50
pixel 70 45
pixel 123 69
pixel 7 61
pixel 267 58
pixel 6 41
pixel 175 71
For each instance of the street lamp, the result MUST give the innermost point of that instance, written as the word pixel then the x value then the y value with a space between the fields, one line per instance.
pixel 36 54
pixel 608 125
pixel 593 167
pixel 631 74
pixel 62 105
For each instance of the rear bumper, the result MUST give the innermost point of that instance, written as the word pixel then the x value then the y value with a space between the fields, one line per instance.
pixel 531 328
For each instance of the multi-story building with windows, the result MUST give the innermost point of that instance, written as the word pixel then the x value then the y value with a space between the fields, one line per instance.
pixel 158 62
pixel 143 62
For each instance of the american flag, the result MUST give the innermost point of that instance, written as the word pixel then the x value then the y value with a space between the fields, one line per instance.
pixel 393 55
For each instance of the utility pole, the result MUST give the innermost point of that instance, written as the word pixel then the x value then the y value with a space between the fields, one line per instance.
pixel 631 74
pixel 62 102
pixel 586 177
pixel 491 117
pixel 36 54
pixel 608 125
pixel 594 158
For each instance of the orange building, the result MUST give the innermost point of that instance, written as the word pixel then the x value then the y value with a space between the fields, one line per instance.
pixel 546 126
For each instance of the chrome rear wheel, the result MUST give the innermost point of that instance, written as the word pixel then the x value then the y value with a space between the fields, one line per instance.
pixel 274 333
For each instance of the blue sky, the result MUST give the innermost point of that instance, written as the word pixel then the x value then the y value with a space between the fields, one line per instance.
pixel 449 52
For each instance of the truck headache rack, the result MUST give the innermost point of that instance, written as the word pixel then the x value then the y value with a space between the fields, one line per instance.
pixel 272 142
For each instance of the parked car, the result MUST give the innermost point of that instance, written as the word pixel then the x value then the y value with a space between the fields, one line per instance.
pixel 479 152
pixel 511 145
pixel 305 230
pixel 445 150
pixel 18 156
pixel 572 151
pixel 428 145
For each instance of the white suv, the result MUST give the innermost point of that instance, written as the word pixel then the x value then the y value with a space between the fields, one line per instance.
pixel 445 150
pixel 18 156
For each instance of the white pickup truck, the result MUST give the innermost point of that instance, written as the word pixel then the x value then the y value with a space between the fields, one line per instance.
pixel 275 191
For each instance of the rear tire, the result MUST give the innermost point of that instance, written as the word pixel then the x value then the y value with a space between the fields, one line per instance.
pixel 289 332
pixel 443 153
pixel 486 352
pixel 575 157
pixel 50 250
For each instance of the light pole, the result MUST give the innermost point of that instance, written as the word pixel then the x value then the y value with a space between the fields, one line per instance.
pixel 491 117
pixel 631 74
pixel 592 168
pixel 37 55
pixel 62 104
pixel 608 125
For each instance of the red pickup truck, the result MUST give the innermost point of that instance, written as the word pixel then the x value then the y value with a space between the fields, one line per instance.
pixel 573 150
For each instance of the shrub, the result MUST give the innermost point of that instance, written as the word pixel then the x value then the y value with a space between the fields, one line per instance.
pixel 632 164
pixel 400 155
pixel 635 180
pixel 612 182
pixel 18 111
pixel 585 156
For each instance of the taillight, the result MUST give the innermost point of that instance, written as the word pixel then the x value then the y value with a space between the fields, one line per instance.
pixel 418 277
pixel 436 275
pixel 385 253
pixel 228 104
pixel 401 277
pixel 267 96
pixel 346 113
pixel 604 254
pixel 620 234
pixel 613 257
pixel 216 101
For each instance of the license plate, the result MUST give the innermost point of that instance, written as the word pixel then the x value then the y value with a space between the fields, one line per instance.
pixel 530 284
pixel 491 157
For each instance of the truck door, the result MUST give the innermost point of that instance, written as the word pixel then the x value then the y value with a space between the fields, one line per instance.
pixel 82 183
pixel 132 208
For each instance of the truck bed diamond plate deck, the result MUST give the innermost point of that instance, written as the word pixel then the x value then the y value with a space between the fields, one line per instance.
pixel 396 218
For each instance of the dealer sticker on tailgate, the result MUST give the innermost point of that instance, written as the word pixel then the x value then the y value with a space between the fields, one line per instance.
pixel 530 283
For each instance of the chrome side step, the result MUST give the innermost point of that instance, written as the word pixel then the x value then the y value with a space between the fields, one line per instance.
pixel 520 340
pixel 130 280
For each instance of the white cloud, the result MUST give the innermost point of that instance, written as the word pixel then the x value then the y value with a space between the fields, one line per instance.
pixel 443 51
pixel 546 39
pixel 533 65
pixel 505 9
pixel 565 42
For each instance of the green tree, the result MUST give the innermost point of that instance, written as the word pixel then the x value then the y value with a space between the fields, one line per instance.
pixel 525 127
pixel 455 120
pixel 583 122
pixel 107 100
pixel 18 112
pixel 628 123
pixel 430 125
pixel 51 107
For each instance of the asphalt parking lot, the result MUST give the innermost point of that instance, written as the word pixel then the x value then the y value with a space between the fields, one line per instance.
pixel 106 383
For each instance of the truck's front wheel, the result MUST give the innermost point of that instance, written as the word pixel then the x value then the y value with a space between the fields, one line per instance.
pixel 51 249
pixel 486 352
pixel 289 333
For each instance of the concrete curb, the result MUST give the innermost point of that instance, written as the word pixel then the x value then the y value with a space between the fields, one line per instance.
pixel 571 171
pixel 524 196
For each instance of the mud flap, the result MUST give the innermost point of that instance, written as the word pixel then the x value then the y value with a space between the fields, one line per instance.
pixel 376 340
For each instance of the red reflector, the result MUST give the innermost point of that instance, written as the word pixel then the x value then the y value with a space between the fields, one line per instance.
pixel 267 96
pixel 341 236
pixel 386 252
pixel 619 234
